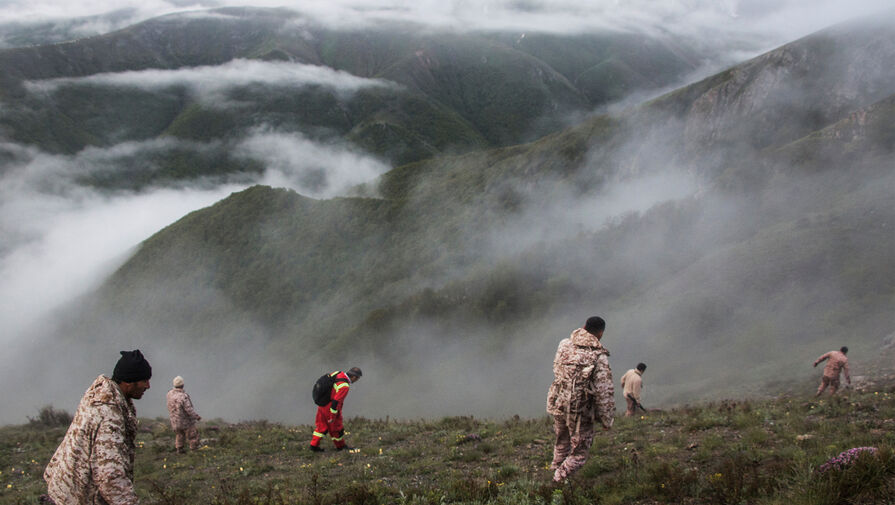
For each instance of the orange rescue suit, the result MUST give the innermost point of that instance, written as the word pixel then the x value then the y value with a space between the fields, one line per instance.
pixel 329 417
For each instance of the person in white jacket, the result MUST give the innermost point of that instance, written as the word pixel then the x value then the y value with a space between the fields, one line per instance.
pixel 632 383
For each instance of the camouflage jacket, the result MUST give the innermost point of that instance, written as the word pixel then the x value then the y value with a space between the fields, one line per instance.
pixel 837 364
pixel 94 464
pixel 180 408
pixel 582 379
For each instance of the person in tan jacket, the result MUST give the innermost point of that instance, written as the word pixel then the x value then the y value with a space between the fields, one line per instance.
pixel 836 363
pixel 183 416
pixel 632 383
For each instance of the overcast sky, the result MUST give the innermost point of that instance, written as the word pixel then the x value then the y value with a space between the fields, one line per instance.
pixel 773 21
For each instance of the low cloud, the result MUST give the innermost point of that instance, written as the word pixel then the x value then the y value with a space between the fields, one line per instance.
pixel 62 239
pixel 569 213
pixel 311 168
pixel 210 83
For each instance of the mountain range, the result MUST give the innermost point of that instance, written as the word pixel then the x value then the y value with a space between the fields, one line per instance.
pixel 729 230
pixel 426 92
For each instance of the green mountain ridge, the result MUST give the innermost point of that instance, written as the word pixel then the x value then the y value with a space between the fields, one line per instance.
pixel 455 93
pixel 467 269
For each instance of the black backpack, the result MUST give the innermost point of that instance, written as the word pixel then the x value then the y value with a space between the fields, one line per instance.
pixel 323 388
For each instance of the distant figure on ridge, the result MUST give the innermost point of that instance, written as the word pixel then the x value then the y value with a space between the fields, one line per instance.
pixel 582 392
pixel 329 394
pixel 183 416
pixel 837 362
pixel 94 464
pixel 632 382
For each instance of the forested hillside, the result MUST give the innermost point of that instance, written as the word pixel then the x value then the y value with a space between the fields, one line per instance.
pixel 399 91
pixel 729 231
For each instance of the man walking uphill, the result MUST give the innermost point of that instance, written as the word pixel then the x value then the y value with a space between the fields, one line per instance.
pixel 837 362
pixel 329 411
pixel 94 464
pixel 581 393
pixel 183 416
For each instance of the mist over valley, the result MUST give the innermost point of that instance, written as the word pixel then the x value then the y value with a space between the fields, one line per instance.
pixel 253 196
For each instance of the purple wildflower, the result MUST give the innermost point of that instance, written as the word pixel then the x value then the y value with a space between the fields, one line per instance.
pixel 845 459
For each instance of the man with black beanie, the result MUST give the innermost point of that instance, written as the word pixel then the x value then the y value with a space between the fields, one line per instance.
pixel 94 464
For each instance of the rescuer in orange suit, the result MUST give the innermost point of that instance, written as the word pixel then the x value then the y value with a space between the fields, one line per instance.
pixel 329 417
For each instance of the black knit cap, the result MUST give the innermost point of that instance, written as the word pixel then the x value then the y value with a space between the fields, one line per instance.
pixel 132 367
pixel 595 325
pixel 355 371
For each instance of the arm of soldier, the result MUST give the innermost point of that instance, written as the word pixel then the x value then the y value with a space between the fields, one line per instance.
pixel 605 392
pixel 558 359
pixel 110 461
pixel 188 408
pixel 822 358
pixel 847 375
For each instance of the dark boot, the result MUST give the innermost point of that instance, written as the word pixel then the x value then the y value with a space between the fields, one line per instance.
pixel 315 448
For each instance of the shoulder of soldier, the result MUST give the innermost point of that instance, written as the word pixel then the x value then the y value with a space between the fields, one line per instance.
pixel 96 414
pixel 104 391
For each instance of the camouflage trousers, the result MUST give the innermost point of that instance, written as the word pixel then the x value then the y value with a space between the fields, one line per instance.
pixel 574 436
pixel 832 382
pixel 191 434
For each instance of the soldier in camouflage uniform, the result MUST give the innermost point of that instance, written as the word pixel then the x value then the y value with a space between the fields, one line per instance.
pixel 183 416
pixel 582 392
pixel 94 464
pixel 837 364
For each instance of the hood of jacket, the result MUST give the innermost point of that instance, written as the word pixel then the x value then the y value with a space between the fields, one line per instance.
pixel 584 338
pixel 105 391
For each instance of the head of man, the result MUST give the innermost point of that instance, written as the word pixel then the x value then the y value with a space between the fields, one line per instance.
pixel 354 374
pixel 843 350
pixel 595 326
pixel 178 382
pixel 641 367
pixel 132 374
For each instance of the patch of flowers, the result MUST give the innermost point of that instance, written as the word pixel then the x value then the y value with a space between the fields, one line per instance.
pixel 845 459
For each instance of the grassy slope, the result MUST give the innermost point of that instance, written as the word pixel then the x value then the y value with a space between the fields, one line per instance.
pixel 759 451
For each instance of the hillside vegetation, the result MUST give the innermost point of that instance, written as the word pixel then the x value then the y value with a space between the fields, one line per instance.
pixel 708 226
pixel 727 452
pixel 777 254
